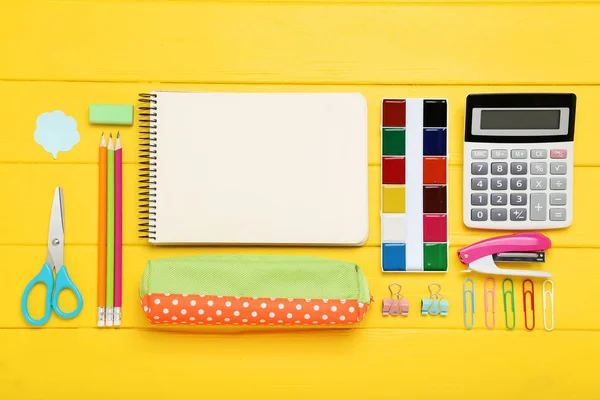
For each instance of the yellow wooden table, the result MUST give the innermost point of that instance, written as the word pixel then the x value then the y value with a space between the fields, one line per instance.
pixel 65 55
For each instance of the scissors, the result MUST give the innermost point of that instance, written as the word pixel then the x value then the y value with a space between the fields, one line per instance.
pixel 54 262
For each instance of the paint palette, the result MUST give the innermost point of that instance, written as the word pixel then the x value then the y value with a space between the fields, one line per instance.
pixel 414 185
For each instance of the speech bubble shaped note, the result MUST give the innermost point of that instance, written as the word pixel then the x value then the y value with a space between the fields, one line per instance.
pixel 56 132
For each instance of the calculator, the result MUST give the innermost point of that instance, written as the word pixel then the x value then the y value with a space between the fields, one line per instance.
pixel 518 161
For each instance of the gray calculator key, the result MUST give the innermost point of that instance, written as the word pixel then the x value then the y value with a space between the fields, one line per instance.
pixel 518 154
pixel 499 168
pixel 537 206
pixel 498 214
pixel 558 168
pixel 479 199
pixel 479 214
pixel 518 214
pixel 539 153
pixel 479 154
pixel 558 183
pixel 518 183
pixel 499 154
pixel 558 199
pixel 518 199
pixel 479 168
pixel 518 168
pixel 558 214
pixel 498 199
pixel 499 183
pixel 539 168
pixel 538 183
pixel 479 183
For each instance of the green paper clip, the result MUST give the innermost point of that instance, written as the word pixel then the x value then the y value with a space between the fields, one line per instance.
pixel 512 303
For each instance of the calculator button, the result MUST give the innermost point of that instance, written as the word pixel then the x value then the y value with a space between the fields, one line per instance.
pixel 558 199
pixel 479 214
pixel 558 183
pixel 539 183
pixel 518 199
pixel 518 154
pixel 499 168
pixel 479 168
pixel 558 168
pixel 539 168
pixel 518 214
pixel 558 153
pixel 558 214
pixel 499 183
pixel 539 153
pixel 499 154
pixel 498 214
pixel 518 168
pixel 537 206
pixel 479 184
pixel 479 199
pixel 479 154
pixel 499 199
pixel 518 184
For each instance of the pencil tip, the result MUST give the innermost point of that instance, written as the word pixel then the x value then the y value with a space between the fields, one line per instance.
pixel 111 135
pixel 118 135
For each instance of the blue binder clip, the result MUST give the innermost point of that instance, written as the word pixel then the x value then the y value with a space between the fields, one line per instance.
pixel 435 304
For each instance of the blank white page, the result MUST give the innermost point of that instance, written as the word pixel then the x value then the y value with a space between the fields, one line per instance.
pixel 261 168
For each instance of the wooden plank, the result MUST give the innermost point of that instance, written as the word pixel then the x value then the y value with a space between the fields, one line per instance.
pixel 350 365
pixel 26 208
pixel 574 279
pixel 25 101
pixel 321 43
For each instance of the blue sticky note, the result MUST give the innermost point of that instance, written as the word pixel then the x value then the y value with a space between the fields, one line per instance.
pixel 56 132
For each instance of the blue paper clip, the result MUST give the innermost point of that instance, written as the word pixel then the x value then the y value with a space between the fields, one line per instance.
pixel 465 294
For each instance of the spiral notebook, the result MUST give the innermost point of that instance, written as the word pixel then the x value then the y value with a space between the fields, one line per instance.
pixel 254 168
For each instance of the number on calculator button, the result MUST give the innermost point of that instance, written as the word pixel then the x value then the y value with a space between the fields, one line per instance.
pixel 518 183
pixel 479 199
pixel 499 183
pixel 479 214
pixel 499 168
pixel 518 199
pixel 479 184
pixel 479 168
pixel 499 199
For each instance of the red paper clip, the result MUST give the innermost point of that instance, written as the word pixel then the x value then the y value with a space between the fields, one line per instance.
pixel 530 292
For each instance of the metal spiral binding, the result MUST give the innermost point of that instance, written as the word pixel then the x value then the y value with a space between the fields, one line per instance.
pixel 148 112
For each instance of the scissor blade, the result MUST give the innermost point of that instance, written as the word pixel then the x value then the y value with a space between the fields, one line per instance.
pixel 56 233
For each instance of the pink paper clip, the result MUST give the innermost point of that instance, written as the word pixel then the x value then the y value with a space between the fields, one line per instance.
pixel 493 293
pixel 395 305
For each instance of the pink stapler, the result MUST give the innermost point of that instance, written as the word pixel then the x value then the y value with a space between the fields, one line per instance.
pixel 520 247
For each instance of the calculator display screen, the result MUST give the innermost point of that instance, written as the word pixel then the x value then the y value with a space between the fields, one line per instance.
pixel 520 119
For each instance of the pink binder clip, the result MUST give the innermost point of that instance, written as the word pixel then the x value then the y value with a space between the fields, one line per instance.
pixel 395 305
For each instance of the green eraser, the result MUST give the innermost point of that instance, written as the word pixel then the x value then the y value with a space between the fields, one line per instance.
pixel 111 114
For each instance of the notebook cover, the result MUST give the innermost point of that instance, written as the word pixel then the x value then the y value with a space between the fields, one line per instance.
pixel 255 168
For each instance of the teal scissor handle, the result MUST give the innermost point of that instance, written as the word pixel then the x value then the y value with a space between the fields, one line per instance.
pixel 53 289
pixel 63 281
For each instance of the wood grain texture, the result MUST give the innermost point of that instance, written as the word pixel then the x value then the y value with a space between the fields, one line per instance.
pixel 300 43
pixel 65 55
pixel 421 364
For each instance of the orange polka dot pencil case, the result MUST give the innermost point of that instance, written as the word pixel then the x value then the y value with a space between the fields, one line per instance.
pixel 253 290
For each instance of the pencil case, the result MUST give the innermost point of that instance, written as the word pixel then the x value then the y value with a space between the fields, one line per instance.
pixel 253 290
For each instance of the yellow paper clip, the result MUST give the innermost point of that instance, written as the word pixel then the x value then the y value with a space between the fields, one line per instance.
pixel 550 294
pixel 491 292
